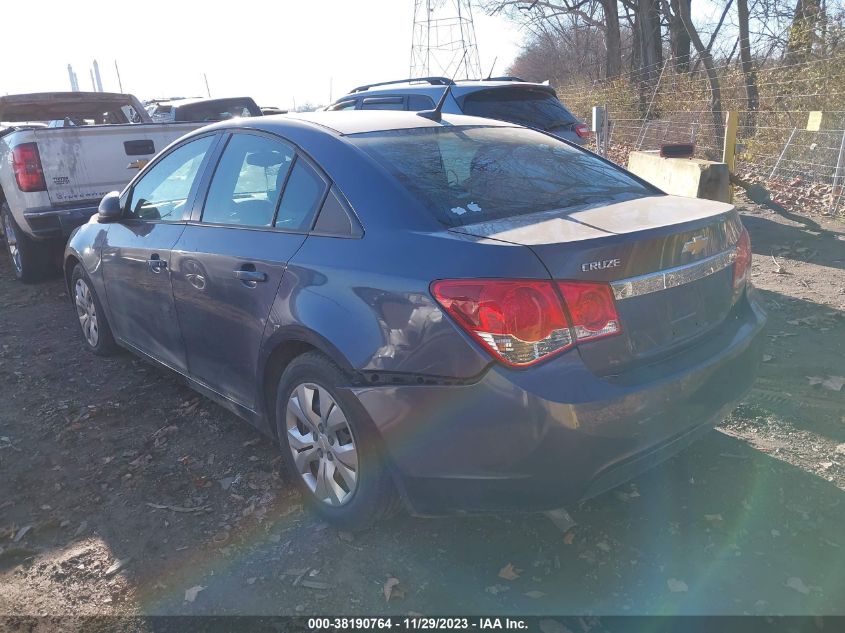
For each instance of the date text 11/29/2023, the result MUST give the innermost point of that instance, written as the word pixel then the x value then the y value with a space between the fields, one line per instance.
pixel 417 623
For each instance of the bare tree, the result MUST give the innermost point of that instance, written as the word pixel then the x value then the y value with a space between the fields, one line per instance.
pixel 752 96
pixel 679 39
pixel 802 32
pixel 709 68
pixel 569 19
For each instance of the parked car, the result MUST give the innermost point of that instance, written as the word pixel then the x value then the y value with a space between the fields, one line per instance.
pixel 53 176
pixel 503 98
pixel 462 315
pixel 204 110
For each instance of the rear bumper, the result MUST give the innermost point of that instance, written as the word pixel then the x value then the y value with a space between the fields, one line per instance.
pixel 57 223
pixel 557 433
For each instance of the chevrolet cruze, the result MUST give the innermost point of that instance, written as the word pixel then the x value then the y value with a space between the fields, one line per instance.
pixel 451 314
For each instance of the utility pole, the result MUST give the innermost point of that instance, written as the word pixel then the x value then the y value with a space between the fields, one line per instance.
pixel 119 82
pixel 74 84
pixel 99 84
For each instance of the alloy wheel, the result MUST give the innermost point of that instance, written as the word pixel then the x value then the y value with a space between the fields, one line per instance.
pixel 322 444
pixel 87 312
pixel 12 242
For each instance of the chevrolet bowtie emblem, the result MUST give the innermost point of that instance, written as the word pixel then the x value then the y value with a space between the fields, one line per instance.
pixel 696 245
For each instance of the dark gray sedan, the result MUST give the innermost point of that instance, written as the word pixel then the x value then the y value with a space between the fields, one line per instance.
pixel 458 315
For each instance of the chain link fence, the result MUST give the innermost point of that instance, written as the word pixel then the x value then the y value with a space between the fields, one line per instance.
pixel 790 139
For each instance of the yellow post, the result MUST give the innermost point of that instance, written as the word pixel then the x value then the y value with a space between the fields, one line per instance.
pixel 729 157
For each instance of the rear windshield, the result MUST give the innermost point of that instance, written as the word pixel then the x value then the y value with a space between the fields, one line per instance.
pixel 532 108
pixel 217 110
pixel 465 175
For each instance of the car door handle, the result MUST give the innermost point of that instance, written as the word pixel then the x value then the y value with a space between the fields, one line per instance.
pixel 250 275
pixel 156 263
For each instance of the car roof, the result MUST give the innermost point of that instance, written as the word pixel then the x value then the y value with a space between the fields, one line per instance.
pixel 459 88
pixel 348 122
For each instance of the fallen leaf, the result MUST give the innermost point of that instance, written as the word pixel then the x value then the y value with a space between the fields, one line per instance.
pixel 116 566
pixel 767 358
pixel 561 519
pixel 315 584
pixel 21 533
pixel 570 536
pixel 714 519
pixel 509 572
pixel 534 594
pixel 798 585
pixel 392 589
pixel 677 586
pixel 834 383
pixel 191 594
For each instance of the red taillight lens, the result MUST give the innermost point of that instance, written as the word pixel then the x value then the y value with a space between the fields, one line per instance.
pixel 742 263
pixel 582 130
pixel 592 309
pixel 524 322
pixel 27 166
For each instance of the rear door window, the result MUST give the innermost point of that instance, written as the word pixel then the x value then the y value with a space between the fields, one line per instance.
pixel 420 102
pixel 247 182
pixel 383 103
pixel 530 107
pixel 304 192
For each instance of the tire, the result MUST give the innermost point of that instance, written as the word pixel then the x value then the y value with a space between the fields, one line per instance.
pixel 96 332
pixel 332 422
pixel 31 260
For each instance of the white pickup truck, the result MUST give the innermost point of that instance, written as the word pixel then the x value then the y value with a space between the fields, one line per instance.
pixel 60 153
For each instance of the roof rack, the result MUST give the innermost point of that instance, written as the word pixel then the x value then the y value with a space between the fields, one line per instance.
pixel 434 81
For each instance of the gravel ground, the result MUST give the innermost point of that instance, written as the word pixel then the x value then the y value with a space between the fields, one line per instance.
pixel 124 492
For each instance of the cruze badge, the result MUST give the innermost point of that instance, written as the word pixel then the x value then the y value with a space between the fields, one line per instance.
pixel 602 264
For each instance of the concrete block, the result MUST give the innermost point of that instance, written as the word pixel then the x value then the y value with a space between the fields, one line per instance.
pixel 690 177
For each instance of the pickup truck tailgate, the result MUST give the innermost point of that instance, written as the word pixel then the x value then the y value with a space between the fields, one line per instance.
pixel 82 164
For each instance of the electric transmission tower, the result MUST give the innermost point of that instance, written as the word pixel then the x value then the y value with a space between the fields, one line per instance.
pixel 443 40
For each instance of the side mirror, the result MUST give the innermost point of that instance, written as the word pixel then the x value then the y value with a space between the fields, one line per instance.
pixel 110 209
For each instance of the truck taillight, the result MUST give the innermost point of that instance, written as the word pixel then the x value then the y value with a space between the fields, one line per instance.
pixel 522 322
pixel 27 166
pixel 742 263
pixel 582 130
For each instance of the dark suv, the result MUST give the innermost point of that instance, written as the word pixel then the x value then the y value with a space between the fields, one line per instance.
pixel 503 98
pixel 465 315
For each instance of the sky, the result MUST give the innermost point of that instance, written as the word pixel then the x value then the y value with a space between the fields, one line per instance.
pixel 283 53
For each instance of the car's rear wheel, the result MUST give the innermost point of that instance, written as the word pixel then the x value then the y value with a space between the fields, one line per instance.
pixel 30 259
pixel 330 447
pixel 96 331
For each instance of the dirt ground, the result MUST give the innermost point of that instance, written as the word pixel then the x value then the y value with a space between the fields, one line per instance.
pixel 123 492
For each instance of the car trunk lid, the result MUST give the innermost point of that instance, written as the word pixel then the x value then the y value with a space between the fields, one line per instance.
pixel 668 260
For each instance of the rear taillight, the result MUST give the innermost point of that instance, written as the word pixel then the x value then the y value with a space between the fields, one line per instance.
pixel 742 263
pixel 27 166
pixel 592 309
pixel 582 130
pixel 524 322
